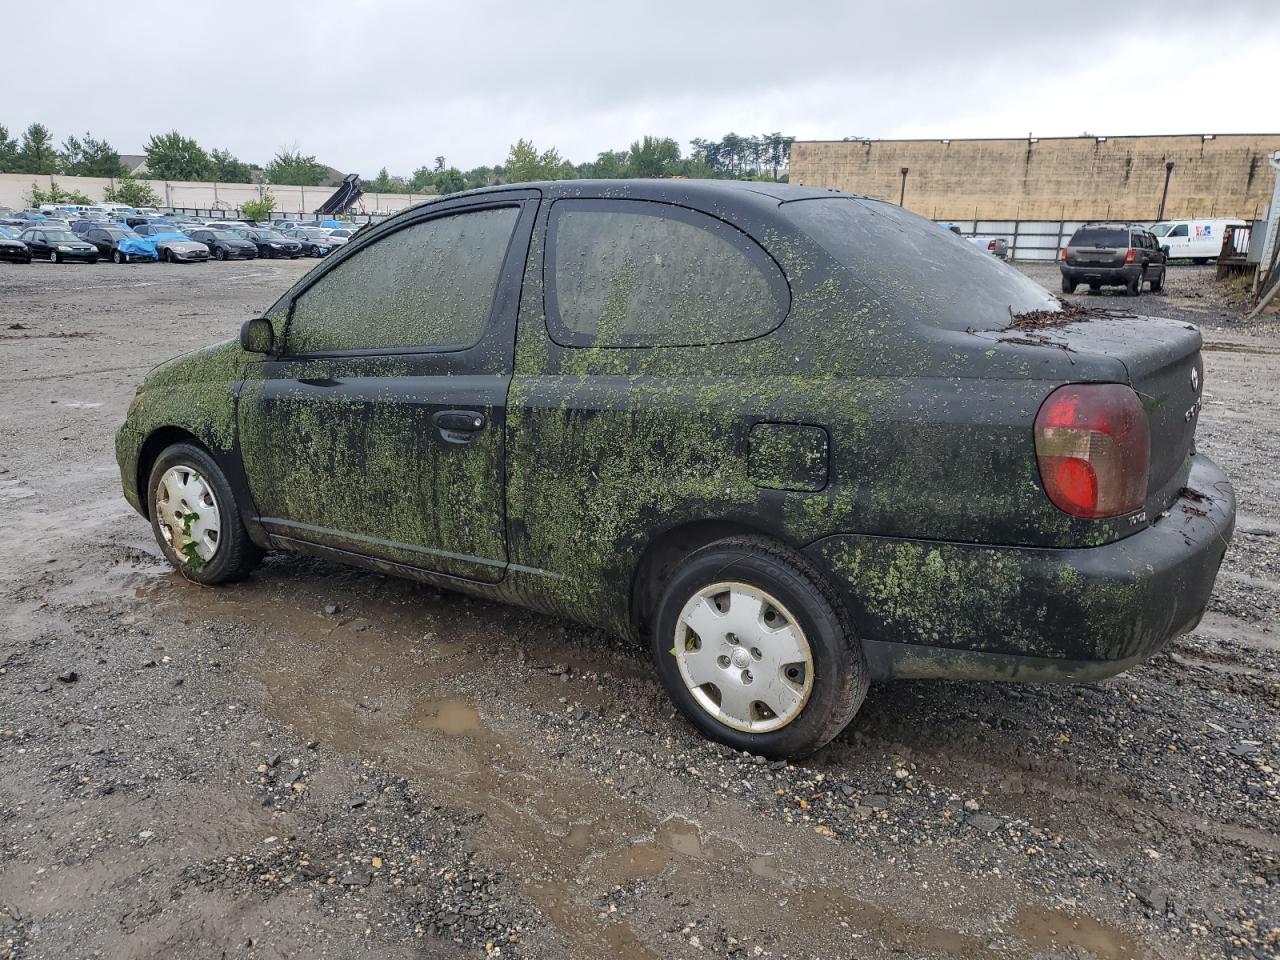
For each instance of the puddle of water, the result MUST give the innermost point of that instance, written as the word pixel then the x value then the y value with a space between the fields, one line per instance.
pixel 1045 928
pixel 765 867
pixel 820 907
pixel 680 836
pixel 452 717
pixel 612 938
pixel 674 838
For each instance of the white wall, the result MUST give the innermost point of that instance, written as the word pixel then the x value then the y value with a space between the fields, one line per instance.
pixel 15 189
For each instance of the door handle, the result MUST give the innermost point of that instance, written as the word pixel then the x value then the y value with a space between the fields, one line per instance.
pixel 458 426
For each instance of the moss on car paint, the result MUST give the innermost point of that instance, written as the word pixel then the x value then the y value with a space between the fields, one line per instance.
pixel 1002 600
pixel 194 393
pixel 595 452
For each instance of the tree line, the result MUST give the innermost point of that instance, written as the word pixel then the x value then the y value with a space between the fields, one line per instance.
pixel 173 156
pixel 169 156
pixel 762 157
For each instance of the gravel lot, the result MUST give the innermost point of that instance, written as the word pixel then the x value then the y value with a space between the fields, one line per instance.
pixel 323 762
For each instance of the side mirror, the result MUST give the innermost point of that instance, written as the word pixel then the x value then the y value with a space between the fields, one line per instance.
pixel 256 336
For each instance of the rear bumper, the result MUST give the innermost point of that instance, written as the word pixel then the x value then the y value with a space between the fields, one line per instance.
pixel 965 611
pixel 1107 276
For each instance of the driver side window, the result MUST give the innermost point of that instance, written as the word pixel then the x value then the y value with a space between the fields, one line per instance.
pixel 427 285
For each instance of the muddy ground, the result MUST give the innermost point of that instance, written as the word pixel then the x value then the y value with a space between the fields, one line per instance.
pixel 323 762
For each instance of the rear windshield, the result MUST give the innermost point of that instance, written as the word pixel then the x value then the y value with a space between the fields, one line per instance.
pixel 1100 237
pixel 927 274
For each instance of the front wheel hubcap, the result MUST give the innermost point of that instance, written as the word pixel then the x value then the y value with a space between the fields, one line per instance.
pixel 744 657
pixel 188 516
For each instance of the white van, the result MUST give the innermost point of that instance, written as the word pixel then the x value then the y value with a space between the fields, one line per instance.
pixel 1198 240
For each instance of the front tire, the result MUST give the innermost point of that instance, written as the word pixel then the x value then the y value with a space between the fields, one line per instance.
pixel 755 649
pixel 118 257
pixel 218 254
pixel 53 256
pixel 195 518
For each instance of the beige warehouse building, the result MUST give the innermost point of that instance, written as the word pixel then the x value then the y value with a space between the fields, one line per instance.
pixel 1051 178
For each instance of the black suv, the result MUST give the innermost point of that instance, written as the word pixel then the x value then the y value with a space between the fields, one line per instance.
pixel 733 418
pixel 1112 255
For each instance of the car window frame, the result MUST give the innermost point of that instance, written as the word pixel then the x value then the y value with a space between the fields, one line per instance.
pixel 561 336
pixel 520 200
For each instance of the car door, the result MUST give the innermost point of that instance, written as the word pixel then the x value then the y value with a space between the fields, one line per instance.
pixel 618 426
pixel 379 428
pixel 1178 240
pixel 100 239
pixel 1138 241
pixel 37 243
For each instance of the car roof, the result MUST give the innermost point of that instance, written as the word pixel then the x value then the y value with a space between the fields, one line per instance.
pixel 668 190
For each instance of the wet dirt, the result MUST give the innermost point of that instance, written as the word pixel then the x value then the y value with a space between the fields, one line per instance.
pixel 235 772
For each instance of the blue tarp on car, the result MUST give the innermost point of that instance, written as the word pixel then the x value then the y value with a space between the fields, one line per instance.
pixel 138 246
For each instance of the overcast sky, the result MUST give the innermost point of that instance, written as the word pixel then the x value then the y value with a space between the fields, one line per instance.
pixel 396 82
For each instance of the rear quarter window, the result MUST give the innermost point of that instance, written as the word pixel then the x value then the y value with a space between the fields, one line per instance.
pixel 631 273
pixel 914 271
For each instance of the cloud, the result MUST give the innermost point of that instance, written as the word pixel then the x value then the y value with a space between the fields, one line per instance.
pixel 395 83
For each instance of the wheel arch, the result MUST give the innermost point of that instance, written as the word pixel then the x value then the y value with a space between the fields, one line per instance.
pixel 665 550
pixel 156 443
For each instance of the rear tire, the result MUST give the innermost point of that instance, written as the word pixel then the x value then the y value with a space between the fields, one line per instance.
pixel 1095 287
pixel 1134 286
pixel 1199 261
pixel 1068 286
pixel 185 480
pixel 1158 284
pixel 790 644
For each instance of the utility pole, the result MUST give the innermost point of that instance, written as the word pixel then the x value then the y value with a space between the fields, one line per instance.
pixel 1168 172
pixel 902 194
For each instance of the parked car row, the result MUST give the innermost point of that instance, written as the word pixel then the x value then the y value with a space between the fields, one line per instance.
pixel 127 235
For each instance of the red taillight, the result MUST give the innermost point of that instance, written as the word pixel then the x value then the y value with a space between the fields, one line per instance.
pixel 991 246
pixel 1131 255
pixel 1062 254
pixel 1093 446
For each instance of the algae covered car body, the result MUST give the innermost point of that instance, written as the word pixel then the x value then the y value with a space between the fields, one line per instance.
pixel 797 439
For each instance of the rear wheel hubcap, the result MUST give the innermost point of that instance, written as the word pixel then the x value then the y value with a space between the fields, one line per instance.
pixel 743 657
